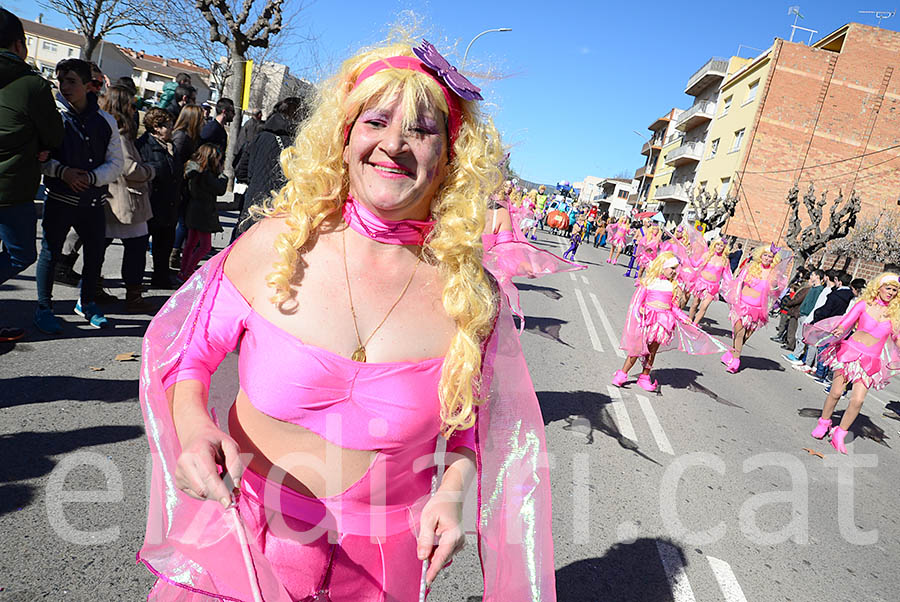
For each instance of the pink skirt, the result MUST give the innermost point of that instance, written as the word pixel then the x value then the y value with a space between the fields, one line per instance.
pixel 658 325
pixel 855 364
pixel 314 562
pixel 703 288
pixel 751 316
pixel 618 240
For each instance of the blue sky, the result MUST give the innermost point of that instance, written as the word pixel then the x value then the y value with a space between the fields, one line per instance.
pixel 578 76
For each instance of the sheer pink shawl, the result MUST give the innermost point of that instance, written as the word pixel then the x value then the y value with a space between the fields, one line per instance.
pixel 203 548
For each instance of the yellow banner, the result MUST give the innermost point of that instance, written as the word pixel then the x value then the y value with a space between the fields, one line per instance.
pixel 248 73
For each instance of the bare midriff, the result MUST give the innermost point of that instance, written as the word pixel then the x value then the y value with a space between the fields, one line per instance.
pixel 314 466
pixel 658 305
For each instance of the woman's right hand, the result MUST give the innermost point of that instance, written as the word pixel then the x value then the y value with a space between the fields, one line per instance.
pixel 197 470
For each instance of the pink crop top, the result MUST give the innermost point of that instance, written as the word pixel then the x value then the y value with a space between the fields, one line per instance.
pixel 715 270
pixel 489 241
pixel 760 285
pixel 866 323
pixel 379 406
pixel 658 296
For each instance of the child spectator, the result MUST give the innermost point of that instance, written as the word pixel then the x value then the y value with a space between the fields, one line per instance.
pixel 204 182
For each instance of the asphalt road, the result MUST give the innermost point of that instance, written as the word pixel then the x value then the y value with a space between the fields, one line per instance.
pixel 703 492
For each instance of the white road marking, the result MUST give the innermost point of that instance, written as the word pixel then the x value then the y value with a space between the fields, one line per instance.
pixel 662 442
pixel 607 326
pixel 592 332
pixel 572 276
pixel 728 583
pixel 674 567
pixel 620 414
pixel 583 279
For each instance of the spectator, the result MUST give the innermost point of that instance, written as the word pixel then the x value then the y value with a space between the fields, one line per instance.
pixel 157 151
pixel 184 96
pixel 734 258
pixel 186 140
pixel 790 306
pixel 204 182
pixel 77 178
pixel 246 137
pixel 835 305
pixel 803 356
pixel 214 131
pixel 261 162
pixel 168 90
pixel 128 208
pixel 128 83
pixel 857 285
pixel 30 126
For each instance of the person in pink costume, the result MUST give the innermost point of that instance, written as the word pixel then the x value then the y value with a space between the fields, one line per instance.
pixel 863 360
pixel 751 294
pixel 648 247
pixel 380 375
pixel 688 246
pixel 617 236
pixel 655 323
pixel 712 270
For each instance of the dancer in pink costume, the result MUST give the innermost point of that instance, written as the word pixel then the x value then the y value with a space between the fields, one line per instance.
pixel 751 294
pixel 648 246
pixel 655 323
pixel 865 359
pixel 688 246
pixel 711 272
pixel 331 437
pixel 617 237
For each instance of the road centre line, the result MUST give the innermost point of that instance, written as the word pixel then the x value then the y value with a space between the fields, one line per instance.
pixel 674 568
pixel 728 583
pixel 607 326
pixel 592 332
pixel 662 442
pixel 620 414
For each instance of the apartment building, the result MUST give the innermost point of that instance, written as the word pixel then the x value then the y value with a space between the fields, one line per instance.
pixel 828 113
pixel 609 194
pixel 152 72
pixel 48 45
pixel 661 133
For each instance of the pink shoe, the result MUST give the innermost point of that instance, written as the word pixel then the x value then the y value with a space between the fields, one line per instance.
pixel 619 378
pixel 646 384
pixel 822 428
pixel 727 357
pixel 734 365
pixel 837 439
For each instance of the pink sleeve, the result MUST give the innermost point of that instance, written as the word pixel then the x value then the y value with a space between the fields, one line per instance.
pixel 219 324
pixel 852 316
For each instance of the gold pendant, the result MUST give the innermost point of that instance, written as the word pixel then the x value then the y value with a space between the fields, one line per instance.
pixel 359 355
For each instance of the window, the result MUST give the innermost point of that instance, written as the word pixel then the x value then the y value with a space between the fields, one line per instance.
pixel 738 137
pixel 71 51
pixel 726 104
pixel 49 46
pixel 713 147
pixel 623 194
pixel 751 92
pixel 723 189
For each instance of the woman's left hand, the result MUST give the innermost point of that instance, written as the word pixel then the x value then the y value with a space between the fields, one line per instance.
pixel 441 520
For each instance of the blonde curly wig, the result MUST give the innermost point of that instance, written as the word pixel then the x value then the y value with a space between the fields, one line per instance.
pixel 711 250
pixel 754 270
pixel 318 182
pixel 871 292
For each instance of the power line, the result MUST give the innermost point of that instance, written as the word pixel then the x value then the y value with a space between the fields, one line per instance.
pixel 823 164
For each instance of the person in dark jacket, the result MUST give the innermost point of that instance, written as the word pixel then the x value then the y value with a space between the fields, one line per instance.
pixel 790 314
pixel 214 131
pixel 186 140
pixel 835 305
pixel 168 90
pixel 77 177
pixel 156 151
pixel 261 161
pixel 734 258
pixel 185 95
pixel 30 126
pixel 204 183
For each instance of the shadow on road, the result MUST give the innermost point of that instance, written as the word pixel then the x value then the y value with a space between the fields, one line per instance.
pixel 21 313
pixel 760 363
pixel 544 327
pixel 707 325
pixel 685 378
pixel 547 291
pixel 627 572
pixel 585 412
pixel 15 497
pixel 27 455
pixel 22 390
pixel 862 426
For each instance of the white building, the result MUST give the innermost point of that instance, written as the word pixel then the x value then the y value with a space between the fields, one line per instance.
pixel 151 73
pixel 48 45
pixel 609 194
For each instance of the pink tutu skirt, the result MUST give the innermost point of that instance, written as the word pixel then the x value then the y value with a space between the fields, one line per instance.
pixel 751 316
pixel 703 288
pixel 658 325
pixel 618 240
pixel 646 257
pixel 855 364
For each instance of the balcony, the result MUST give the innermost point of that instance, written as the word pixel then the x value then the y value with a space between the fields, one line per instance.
pixel 700 113
pixel 633 199
pixel 714 69
pixel 644 172
pixel 672 192
pixel 652 144
pixel 686 153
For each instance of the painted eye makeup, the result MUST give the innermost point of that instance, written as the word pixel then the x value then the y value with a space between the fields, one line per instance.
pixel 374 116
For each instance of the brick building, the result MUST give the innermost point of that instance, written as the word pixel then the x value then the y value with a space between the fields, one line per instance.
pixel 828 113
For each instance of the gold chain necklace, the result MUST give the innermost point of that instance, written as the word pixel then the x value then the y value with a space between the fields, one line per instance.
pixel 360 354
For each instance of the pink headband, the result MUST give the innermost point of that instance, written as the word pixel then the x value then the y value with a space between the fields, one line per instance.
pixel 411 63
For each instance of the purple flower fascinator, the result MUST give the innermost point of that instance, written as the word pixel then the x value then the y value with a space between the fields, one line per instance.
pixel 433 59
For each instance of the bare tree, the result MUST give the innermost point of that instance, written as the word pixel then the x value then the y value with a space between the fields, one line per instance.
pixel 806 241
pixel 875 239
pixel 95 19
pixel 712 209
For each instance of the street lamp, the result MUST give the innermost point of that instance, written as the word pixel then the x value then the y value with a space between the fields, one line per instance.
pixel 466 53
